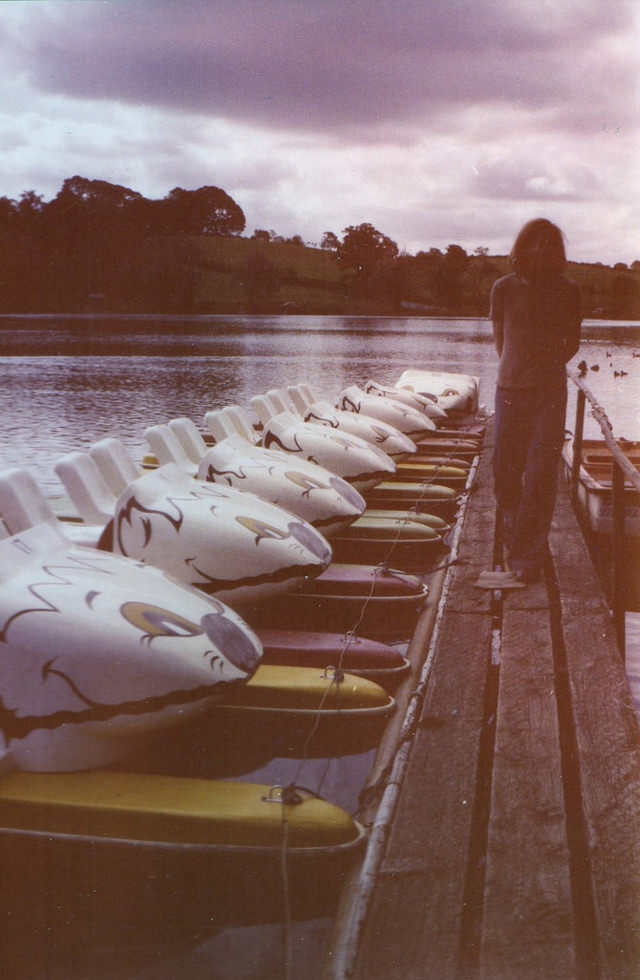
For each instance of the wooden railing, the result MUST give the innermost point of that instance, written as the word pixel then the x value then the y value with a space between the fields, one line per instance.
pixel 621 469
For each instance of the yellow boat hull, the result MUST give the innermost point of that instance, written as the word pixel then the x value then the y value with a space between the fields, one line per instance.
pixel 117 850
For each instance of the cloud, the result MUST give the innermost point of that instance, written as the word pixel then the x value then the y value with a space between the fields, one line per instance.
pixel 313 64
pixel 438 122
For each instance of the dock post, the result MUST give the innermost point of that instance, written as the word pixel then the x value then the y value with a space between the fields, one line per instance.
pixel 618 548
pixel 577 443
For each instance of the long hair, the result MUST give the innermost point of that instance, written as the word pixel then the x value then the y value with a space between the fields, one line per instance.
pixel 539 230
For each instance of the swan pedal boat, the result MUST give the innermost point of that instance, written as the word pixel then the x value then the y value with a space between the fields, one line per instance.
pixel 302 712
pixel 130 652
pixel 373 600
pixel 234 461
pixel 226 542
pixel 425 405
pixel 367 538
pixel 218 844
pixel 286 691
pixel 404 541
pixel 432 498
pixel 443 474
pixel 410 421
pixel 358 655
pixel 301 487
pixel 455 393
pixel 376 431
pixel 312 492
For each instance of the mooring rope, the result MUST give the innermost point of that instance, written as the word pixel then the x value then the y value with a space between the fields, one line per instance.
pixel 409 728
pixel 286 897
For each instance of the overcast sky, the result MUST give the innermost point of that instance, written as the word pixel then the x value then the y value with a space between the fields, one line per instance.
pixel 437 121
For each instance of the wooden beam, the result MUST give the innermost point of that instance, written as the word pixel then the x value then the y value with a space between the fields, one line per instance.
pixel 527 925
pixel 415 925
pixel 418 923
pixel 607 745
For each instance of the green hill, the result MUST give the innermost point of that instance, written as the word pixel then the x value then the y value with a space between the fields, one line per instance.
pixel 98 246
pixel 241 274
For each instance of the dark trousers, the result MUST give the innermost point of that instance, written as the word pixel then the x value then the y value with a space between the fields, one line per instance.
pixel 529 434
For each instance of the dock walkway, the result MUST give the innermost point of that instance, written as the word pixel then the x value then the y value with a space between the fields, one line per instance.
pixel 513 852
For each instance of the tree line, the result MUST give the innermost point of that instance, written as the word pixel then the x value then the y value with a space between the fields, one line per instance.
pixel 99 240
pixel 101 246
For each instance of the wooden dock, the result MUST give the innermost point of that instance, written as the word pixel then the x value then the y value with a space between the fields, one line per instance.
pixel 513 850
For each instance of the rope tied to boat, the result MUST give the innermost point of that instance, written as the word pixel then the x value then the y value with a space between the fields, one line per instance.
pixel 287 924
pixel 290 795
pixel 287 796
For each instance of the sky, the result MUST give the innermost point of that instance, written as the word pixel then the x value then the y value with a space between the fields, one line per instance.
pixel 437 121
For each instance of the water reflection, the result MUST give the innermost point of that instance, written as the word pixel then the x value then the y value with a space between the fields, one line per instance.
pixel 66 382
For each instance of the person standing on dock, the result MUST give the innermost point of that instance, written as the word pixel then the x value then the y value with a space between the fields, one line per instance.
pixel 536 319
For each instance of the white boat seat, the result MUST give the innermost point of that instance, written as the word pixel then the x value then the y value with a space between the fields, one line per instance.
pixel 229 421
pixel 168 448
pixel 22 502
pixel 242 423
pixel 308 393
pixel 267 408
pixel 263 408
pixel 23 505
pixel 280 400
pixel 115 464
pixel 189 437
pixel 87 488
pixel 218 424
pixel 299 399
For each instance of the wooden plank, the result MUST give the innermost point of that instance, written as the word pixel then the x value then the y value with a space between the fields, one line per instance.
pixel 475 552
pixel 608 749
pixel 527 923
pixel 416 923
pixel 414 927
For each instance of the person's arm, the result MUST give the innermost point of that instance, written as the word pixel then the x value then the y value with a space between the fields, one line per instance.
pixel 496 315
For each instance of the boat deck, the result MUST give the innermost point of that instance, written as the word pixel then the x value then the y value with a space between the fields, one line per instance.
pixel 513 851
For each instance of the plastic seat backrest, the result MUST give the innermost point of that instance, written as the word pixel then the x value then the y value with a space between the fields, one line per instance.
pixel 298 399
pixel 280 400
pixel 308 393
pixel 239 419
pixel 168 448
pixel 87 488
pixel 189 437
pixel 22 502
pixel 218 424
pixel 115 464
pixel 395 394
pixel 263 407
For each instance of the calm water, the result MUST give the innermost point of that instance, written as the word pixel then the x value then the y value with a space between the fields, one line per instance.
pixel 67 382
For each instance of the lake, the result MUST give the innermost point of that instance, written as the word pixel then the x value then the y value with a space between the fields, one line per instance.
pixel 66 382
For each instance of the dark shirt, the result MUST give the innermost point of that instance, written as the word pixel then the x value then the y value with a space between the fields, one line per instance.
pixel 536 328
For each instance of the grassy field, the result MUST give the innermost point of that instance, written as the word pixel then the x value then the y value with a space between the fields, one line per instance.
pixel 234 274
